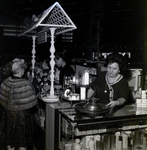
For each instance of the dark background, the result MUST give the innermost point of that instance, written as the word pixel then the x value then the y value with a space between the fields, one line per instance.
pixel 102 26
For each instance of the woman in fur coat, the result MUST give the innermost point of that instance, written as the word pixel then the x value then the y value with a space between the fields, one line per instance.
pixel 17 96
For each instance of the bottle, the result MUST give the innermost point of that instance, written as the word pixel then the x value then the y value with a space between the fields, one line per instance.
pixel 85 77
pixel 83 93
pixel 98 142
pixel 77 145
pixel 91 143
pixel 69 130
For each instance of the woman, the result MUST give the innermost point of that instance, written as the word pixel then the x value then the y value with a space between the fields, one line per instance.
pixel 17 96
pixel 111 87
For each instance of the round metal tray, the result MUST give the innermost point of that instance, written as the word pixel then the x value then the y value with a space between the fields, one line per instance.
pixel 90 109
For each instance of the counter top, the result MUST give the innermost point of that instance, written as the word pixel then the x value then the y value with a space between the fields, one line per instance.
pixel 60 105
pixel 128 111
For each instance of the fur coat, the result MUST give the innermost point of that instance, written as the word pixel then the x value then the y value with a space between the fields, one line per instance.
pixel 17 94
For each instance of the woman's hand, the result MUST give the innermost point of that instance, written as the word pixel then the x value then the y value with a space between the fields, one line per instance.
pixel 112 104
pixel 90 93
pixel 118 102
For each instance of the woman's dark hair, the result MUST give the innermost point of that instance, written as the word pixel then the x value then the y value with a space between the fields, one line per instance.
pixel 118 58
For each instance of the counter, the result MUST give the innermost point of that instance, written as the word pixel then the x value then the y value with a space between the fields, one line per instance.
pixel 126 118
pixel 122 117
pixel 52 124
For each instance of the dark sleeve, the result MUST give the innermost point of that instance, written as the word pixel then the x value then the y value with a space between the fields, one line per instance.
pixel 69 71
pixel 121 90
pixel 66 71
pixel 124 91
pixel 95 83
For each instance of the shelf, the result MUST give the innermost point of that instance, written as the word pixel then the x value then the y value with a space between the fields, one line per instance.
pixel 127 126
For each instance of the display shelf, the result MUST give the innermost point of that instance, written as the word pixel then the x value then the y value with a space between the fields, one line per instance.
pixel 63 125
pixel 122 122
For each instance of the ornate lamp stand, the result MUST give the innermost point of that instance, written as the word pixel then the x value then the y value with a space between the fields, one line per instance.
pixel 52 64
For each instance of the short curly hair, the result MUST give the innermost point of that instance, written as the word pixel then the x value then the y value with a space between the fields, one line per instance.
pixel 117 58
pixel 17 65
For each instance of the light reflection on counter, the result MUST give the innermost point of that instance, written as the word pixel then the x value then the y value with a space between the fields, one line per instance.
pixel 127 110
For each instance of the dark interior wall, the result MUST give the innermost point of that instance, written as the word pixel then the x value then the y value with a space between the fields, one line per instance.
pixel 124 25
pixel 102 25
pixel 123 30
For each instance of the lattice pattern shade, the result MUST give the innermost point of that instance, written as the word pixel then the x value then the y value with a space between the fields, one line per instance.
pixel 54 16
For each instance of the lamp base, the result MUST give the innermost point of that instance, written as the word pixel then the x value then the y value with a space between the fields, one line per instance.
pixel 50 98
pixel 53 97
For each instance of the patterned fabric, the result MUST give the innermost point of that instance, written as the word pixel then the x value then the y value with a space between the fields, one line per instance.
pixel 17 94
pixel 16 128
pixel 100 86
pixel 110 86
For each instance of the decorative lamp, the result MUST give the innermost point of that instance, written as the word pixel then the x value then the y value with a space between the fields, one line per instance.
pixel 54 21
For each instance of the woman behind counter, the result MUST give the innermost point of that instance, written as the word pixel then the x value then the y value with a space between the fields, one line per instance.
pixel 17 96
pixel 111 87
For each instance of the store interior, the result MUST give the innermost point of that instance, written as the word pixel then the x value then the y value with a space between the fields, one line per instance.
pixel 101 27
